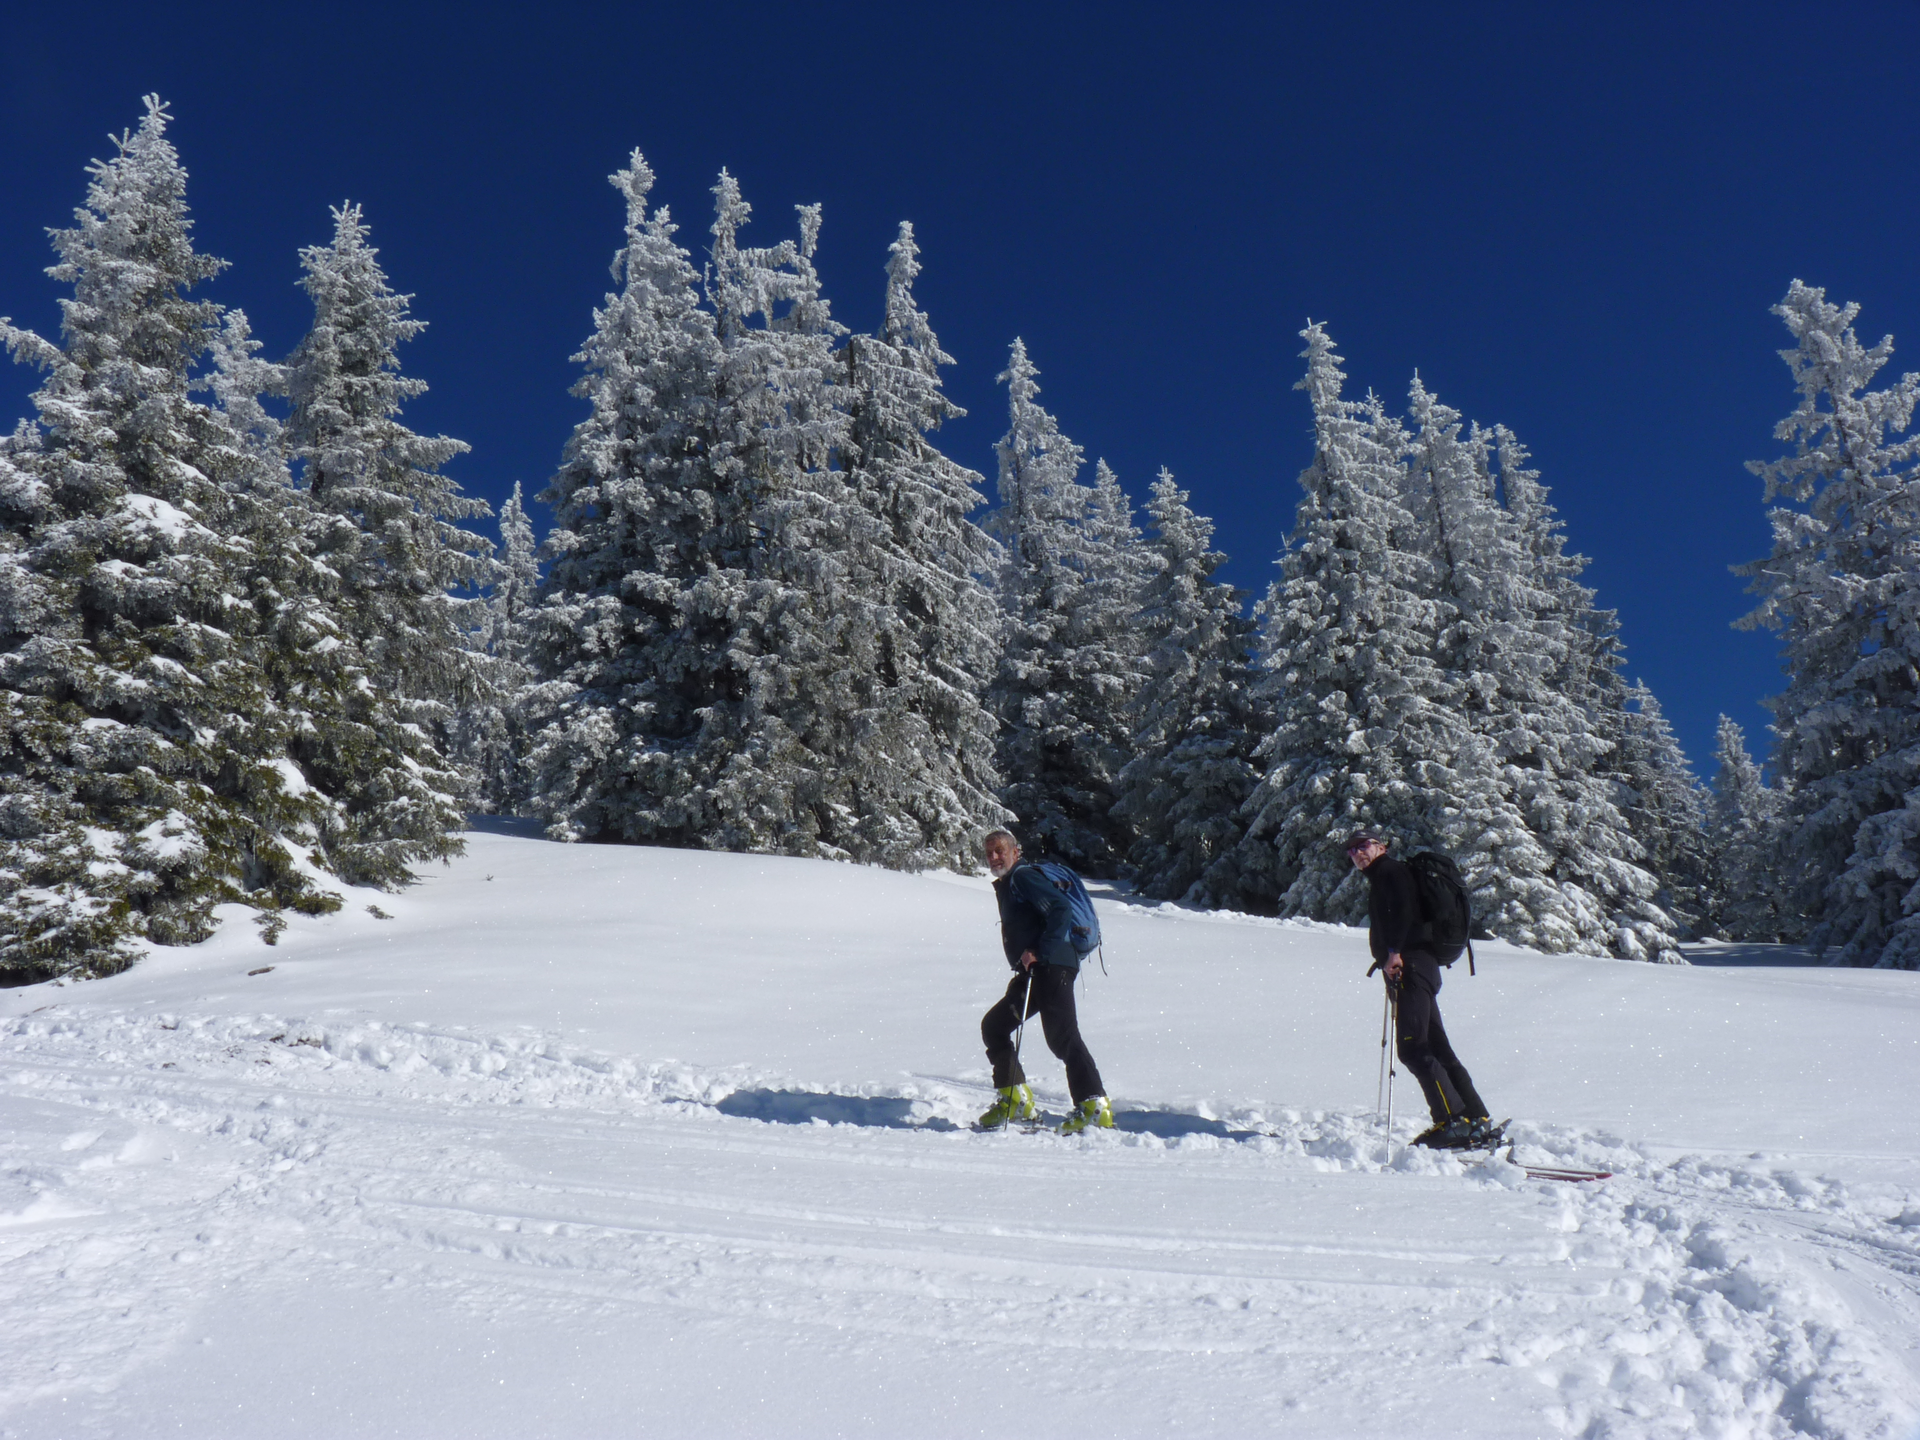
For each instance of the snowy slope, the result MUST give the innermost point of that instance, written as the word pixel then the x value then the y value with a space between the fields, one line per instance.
pixel 604 1141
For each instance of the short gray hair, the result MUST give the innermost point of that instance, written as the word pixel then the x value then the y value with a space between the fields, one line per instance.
pixel 999 833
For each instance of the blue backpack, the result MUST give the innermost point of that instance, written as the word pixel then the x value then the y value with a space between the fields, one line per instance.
pixel 1083 930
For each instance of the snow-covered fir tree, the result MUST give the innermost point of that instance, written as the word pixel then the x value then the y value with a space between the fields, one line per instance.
pixel 1437 673
pixel 1842 589
pixel 926 778
pixel 1534 755
pixel 1488 664
pixel 490 731
pixel 146 776
pixel 725 663
pixel 383 520
pixel 1196 726
pixel 807 627
pixel 1347 651
pixel 345 732
pixel 1743 827
pixel 637 694
pixel 1561 735
pixel 1667 812
pixel 1119 567
pixel 1066 681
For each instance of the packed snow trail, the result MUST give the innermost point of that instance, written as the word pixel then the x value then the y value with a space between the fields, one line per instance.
pixel 350 1196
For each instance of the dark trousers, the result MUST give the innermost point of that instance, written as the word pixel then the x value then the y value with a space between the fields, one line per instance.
pixel 1052 1000
pixel 1423 1047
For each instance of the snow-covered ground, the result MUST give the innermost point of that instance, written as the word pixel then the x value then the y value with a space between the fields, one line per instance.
pixel 594 1141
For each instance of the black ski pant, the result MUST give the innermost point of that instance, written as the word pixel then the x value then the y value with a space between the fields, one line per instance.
pixel 1052 1000
pixel 1422 1042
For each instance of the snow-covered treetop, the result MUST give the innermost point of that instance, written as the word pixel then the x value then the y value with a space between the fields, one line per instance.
pixel 347 392
pixel 1852 434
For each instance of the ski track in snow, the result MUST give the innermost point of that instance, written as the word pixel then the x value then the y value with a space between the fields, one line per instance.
pixel 1264 1261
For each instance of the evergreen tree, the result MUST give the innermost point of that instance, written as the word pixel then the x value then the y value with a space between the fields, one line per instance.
pixel 720 644
pixel 146 775
pixel 1118 567
pixel 1668 812
pixel 382 521
pixel 1842 589
pixel 1490 673
pixel 491 731
pixel 637 694
pixel 1063 688
pixel 1192 767
pixel 1347 650
pixel 807 628
pixel 925 789
pixel 1561 738
pixel 1744 829
pixel 1438 674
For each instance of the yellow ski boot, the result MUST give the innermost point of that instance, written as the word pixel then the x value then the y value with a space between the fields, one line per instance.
pixel 1094 1111
pixel 1015 1103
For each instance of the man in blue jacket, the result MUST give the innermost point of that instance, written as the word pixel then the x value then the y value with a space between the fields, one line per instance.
pixel 1034 919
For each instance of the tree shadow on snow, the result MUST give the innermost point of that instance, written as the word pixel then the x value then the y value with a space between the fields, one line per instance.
pixel 1750 954
pixel 804 1107
pixel 523 827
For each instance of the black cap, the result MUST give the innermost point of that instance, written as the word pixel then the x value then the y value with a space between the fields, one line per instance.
pixel 1362 837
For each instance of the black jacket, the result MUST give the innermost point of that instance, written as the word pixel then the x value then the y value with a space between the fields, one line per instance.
pixel 1393 909
pixel 1394 922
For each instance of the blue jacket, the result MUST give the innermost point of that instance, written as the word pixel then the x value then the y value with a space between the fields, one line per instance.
pixel 1034 916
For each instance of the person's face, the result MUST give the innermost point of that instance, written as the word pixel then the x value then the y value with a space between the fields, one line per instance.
pixel 1364 855
pixel 1002 855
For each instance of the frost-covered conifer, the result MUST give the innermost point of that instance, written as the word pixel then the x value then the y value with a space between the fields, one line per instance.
pixel 1491 677
pixel 1347 649
pixel 1064 687
pixel 926 782
pixel 803 605
pixel 1842 589
pixel 1196 727
pixel 635 709
pixel 1668 811
pixel 1561 732
pixel 490 732
pixel 1119 566
pixel 713 626
pixel 146 775
pixel 382 522
pixel 1744 831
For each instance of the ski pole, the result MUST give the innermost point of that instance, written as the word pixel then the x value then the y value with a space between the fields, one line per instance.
pixel 1021 1033
pixel 1394 1008
pixel 1380 1084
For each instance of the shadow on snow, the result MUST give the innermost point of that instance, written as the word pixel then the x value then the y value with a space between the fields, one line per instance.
pixel 805 1107
pixel 1750 955
pixel 892 1112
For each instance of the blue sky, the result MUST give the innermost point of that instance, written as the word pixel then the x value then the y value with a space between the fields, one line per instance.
pixel 1572 223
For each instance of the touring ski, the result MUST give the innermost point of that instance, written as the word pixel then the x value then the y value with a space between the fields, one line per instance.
pixel 1557 1172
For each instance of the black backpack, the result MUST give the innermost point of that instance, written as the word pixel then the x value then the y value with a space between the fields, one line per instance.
pixel 1446 915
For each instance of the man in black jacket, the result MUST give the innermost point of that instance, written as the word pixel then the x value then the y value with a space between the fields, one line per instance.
pixel 1413 976
pixel 1034 920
